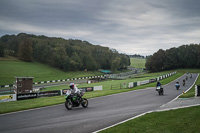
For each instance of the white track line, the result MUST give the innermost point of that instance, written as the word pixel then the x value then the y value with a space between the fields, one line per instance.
pixel 177 108
pixel 123 121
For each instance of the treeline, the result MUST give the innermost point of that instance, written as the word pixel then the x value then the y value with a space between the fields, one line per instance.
pixel 68 55
pixel 185 56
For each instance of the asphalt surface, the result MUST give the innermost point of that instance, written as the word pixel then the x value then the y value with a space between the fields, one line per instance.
pixel 102 112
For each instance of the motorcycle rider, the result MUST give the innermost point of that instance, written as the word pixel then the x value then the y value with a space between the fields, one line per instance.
pixel 177 85
pixel 75 90
pixel 158 84
pixel 183 82
pixel 159 88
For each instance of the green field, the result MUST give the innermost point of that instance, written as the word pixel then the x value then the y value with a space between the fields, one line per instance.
pixel 9 69
pixel 138 62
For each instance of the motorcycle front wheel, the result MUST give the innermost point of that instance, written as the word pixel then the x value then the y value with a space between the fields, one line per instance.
pixel 68 105
pixel 84 103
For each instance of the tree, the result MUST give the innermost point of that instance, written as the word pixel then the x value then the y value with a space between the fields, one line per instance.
pixel 156 62
pixel 61 59
pixel 25 50
pixel 1 50
pixel 171 59
pixel 115 64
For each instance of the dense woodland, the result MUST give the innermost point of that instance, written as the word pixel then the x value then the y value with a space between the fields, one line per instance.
pixel 67 55
pixel 185 56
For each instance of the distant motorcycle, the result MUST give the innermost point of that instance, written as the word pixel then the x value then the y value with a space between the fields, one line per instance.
pixel 72 100
pixel 160 90
pixel 177 85
pixel 183 82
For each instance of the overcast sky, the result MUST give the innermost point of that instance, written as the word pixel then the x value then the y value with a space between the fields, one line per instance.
pixel 129 26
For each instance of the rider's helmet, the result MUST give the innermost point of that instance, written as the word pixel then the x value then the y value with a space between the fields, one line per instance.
pixel 71 85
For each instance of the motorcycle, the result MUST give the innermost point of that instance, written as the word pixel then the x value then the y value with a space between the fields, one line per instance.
pixel 183 82
pixel 160 90
pixel 73 100
pixel 177 86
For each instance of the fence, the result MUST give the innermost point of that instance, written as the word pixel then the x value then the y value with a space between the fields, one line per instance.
pixel 139 83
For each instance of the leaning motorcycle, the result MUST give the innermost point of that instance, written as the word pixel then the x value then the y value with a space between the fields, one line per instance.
pixel 72 100
pixel 160 90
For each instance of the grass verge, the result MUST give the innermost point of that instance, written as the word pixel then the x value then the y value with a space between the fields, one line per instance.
pixel 174 121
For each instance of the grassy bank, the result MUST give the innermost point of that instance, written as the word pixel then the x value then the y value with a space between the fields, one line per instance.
pixel 9 69
pixel 175 121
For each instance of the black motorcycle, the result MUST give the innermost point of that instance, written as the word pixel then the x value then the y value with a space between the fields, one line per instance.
pixel 184 82
pixel 74 100
pixel 160 90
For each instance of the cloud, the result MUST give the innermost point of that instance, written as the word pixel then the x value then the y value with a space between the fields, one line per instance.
pixel 132 27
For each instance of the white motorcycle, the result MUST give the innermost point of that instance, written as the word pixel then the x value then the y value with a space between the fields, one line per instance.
pixel 160 90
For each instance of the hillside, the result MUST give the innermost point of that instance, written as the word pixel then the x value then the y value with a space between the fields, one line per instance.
pixel 10 68
pixel 66 55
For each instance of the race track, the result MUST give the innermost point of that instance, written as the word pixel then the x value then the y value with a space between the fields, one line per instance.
pixel 102 112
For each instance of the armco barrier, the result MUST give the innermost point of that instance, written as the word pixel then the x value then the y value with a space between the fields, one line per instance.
pixel 98 88
pixel 138 83
pixel 152 80
pixel 130 85
pixel 144 82
pixel 134 84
